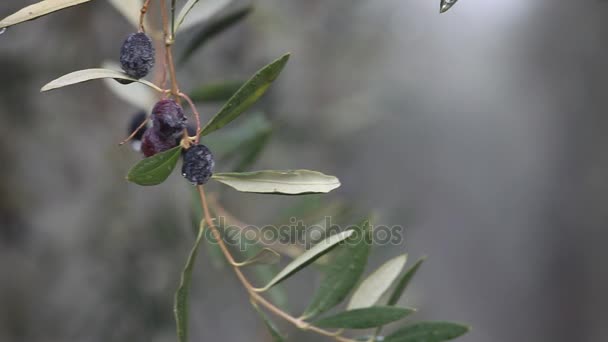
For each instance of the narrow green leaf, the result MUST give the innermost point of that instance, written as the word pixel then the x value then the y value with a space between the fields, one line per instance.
pixel 156 169
pixel 404 282
pixel 38 10
pixel 290 182
pixel 445 5
pixel 130 9
pixel 92 74
pixel 213 29
pixel 376 284
pixel 247 95
pixel 308 257
pixel 428 332
pixel 343 272
pixel 203 12
pixel 365 318
pixel 272 329
pixel 180 307
pixel 266 256
pixel 216 92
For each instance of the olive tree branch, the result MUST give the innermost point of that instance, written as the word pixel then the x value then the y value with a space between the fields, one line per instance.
pixel 254 296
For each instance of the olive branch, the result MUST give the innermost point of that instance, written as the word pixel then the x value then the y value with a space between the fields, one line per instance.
pixel 373 299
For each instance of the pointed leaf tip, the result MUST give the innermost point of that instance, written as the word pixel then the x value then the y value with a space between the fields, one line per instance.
pixel 343 272
pixel 92 74
pixel 37 10
pixel 445 5
pixel 404 282
pixel 308 257
pixel 376 284
pixel 246 96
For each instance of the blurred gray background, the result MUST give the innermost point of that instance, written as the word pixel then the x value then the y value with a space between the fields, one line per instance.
pixel 483 131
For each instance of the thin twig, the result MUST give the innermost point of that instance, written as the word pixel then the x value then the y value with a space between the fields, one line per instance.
pixel 144 10
pixel 135 132
pixel 256 297
pixel 197 116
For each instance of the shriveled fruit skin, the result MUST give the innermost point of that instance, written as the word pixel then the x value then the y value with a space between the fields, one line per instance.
pixel 198 164
pixel 168 118
pixel 153 143
pixel 168 125
pixel 137 55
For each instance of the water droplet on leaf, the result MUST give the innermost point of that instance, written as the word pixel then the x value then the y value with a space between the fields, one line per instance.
pixel 446 5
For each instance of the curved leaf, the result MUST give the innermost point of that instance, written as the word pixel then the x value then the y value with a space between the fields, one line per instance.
pixel 92 74
pixel 404 282
pixel 216 92
pixel 401 286
pixel 245 97
pixel 215 28
pixel 156 169
pixel 266 256
pixel 291 182
pixel 180 307
pixel 428 332
pixel 38 10
pixel 190 16
pixel 377 283
pixel 343 271
pixel 364 318
pixel 308 257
